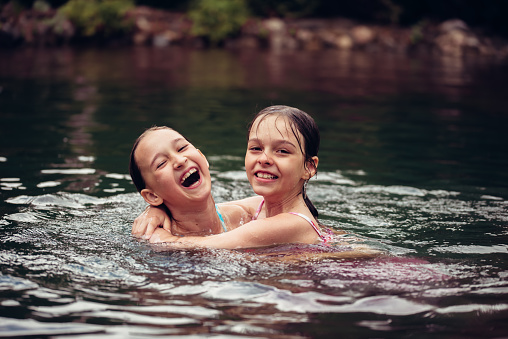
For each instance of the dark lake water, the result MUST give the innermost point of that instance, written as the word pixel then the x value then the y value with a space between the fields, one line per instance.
pixel 413 162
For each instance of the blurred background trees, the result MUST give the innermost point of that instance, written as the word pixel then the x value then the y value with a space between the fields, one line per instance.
pixel 90 16
pixel 488 13
pixel 218 19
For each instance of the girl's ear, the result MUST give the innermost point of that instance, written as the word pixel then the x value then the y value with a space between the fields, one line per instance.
pixel 151 197
pixel 207 164
pixel 311 168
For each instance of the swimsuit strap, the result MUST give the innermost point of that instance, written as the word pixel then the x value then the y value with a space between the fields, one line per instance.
pixel 258 210
pixel 324 238
pixel 221 218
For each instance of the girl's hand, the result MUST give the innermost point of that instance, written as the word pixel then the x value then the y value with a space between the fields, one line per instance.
pixel 162 236
pixel 150 220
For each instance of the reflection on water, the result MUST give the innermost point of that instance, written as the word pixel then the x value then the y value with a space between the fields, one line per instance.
pixel 412 163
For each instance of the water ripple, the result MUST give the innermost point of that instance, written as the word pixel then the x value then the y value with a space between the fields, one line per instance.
pixel 12 328
pixel 10 283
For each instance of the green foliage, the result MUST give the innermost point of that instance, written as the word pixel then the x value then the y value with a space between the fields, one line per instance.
pixel 95 17
pixel 417 31
pixel 218 19
pixel 41 6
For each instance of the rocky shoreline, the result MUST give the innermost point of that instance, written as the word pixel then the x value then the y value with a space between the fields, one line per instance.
pixel 163 28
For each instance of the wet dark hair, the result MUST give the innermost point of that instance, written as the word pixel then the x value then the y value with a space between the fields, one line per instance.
pixel 301 122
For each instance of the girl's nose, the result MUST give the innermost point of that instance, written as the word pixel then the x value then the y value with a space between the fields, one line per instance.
pixel 264 159
pixel 179 161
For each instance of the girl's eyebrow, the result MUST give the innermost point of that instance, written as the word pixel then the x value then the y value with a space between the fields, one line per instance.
pixel 284 142
pixel 277 142
pixel 288 142
pixel 175 141
pixel 155 157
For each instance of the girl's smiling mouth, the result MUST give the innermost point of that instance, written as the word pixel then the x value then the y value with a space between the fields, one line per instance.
pixel 265 175
pixel 190 178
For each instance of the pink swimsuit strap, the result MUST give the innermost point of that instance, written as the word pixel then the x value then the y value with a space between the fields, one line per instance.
pixel 258 210
pixel 324 238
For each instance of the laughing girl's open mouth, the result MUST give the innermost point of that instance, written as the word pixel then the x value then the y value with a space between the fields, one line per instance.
pixel 190 178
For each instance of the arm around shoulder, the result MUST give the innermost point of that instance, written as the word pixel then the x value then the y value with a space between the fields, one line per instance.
pixel 280 229
pixel 250 204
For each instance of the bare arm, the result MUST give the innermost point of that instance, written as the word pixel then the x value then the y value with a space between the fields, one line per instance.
pixel 239 212
pixel 280 229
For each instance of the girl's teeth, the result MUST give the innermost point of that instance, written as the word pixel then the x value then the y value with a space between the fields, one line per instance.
pixel 188 174
pixel 266 176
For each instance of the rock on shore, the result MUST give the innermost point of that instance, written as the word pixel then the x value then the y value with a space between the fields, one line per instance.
pixel 46 27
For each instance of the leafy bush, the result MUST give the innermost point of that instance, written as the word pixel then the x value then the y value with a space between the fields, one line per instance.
pixel 94 17
pixel 218 19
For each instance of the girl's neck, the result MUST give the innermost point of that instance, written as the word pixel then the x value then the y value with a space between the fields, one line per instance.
pixel 291 203
pixel 201 219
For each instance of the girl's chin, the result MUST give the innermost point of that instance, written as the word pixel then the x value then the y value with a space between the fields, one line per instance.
pixel 262 190
pixel 202 189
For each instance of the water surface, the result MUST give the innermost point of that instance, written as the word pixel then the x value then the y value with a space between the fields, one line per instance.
pixel 413 162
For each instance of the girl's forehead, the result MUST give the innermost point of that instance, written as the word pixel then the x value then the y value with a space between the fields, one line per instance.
pixel 265 121
pixel 160 135
pixel 154 140
pixel 273 124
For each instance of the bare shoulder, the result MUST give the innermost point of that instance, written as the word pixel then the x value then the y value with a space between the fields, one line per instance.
pixel 285 228
pixel 250 205
pixel 240 212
